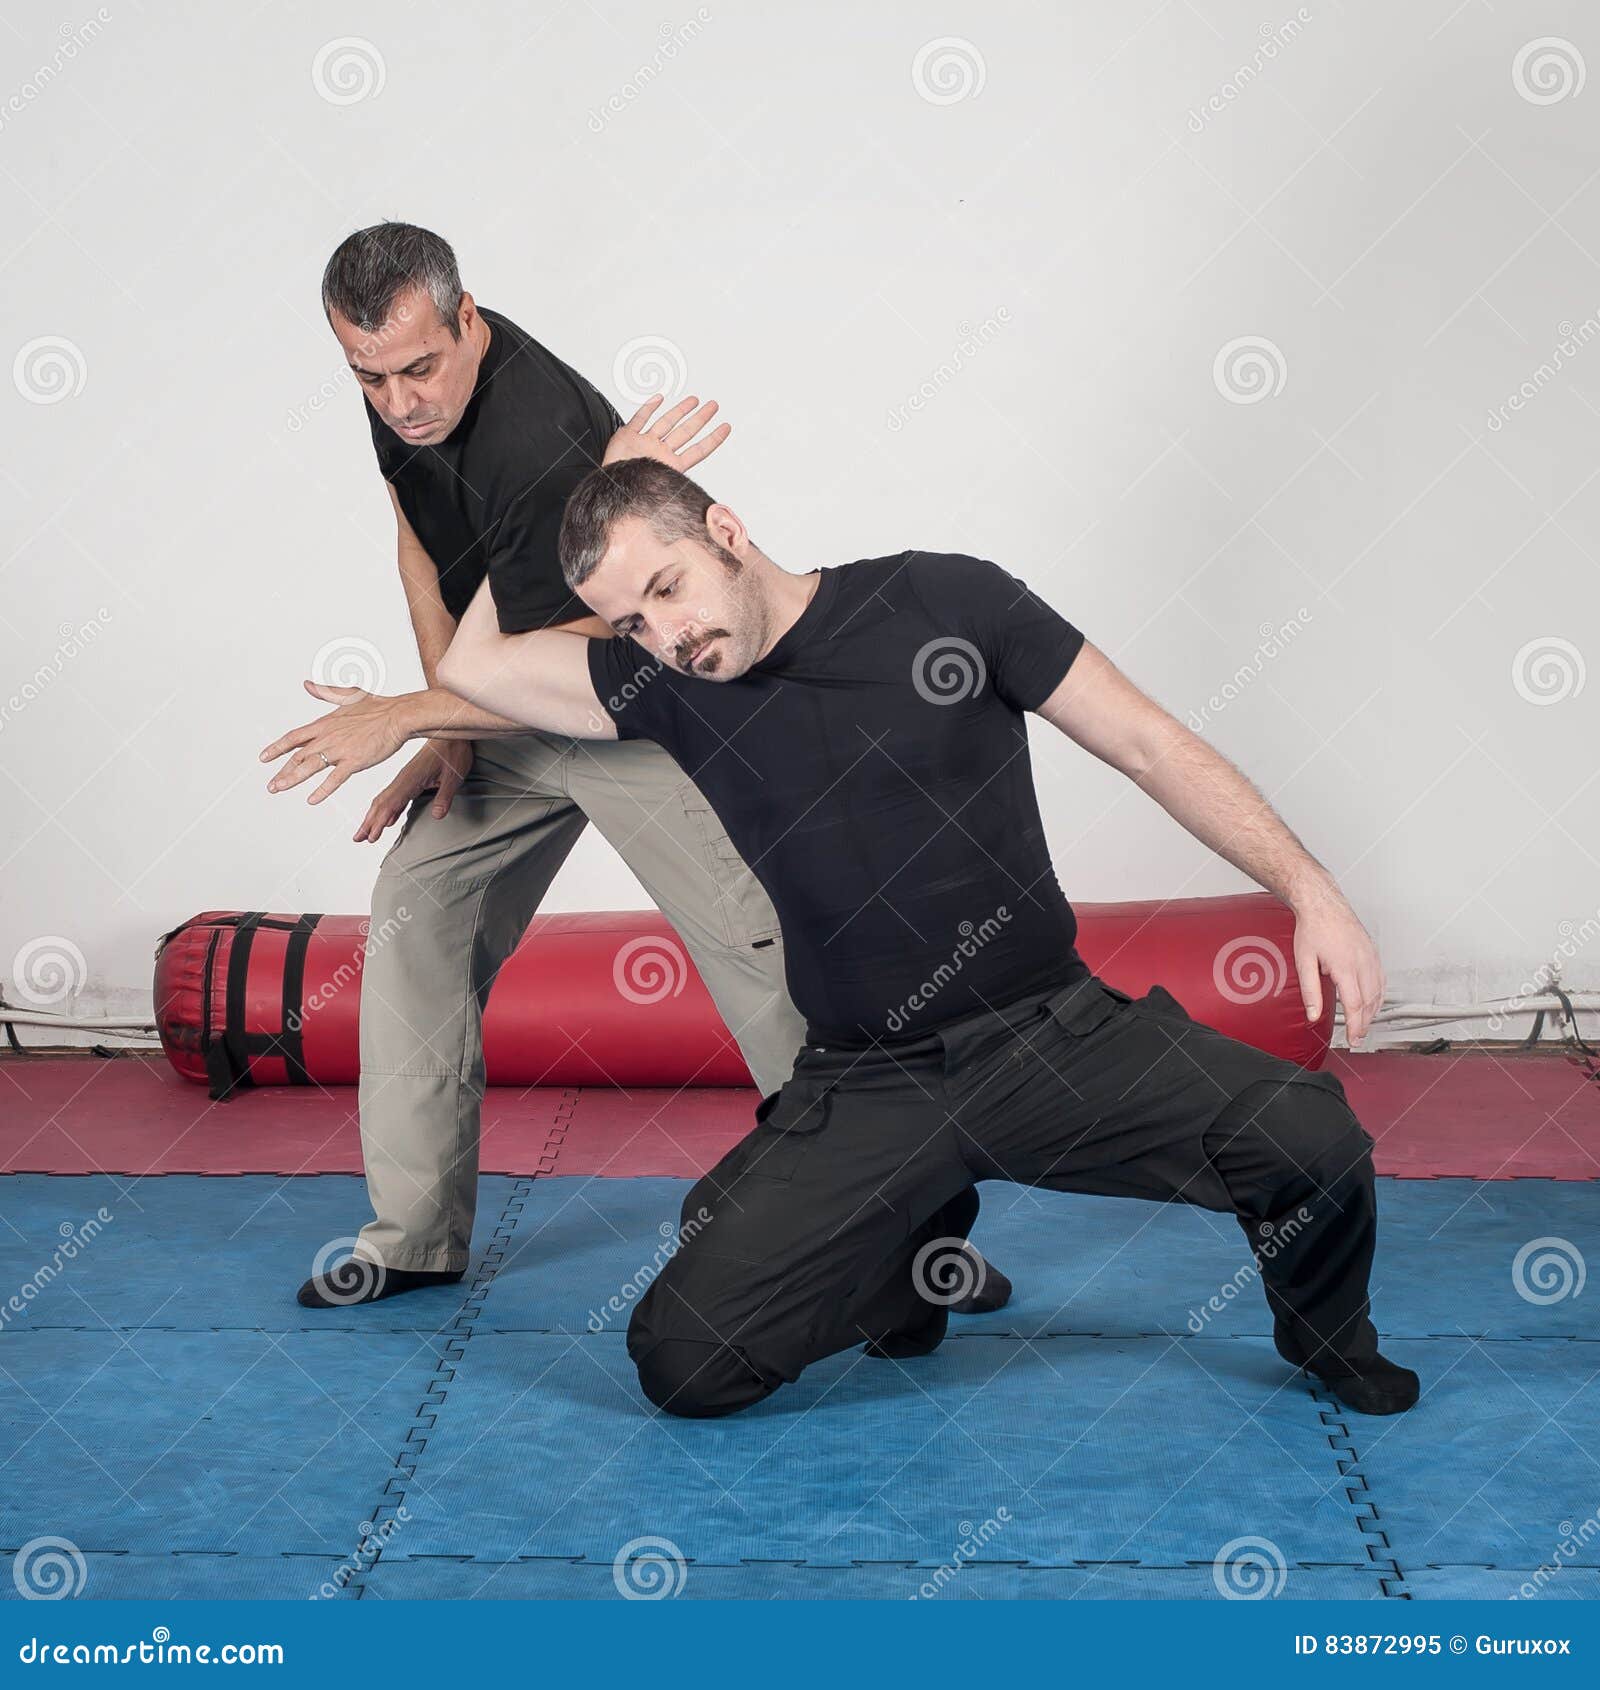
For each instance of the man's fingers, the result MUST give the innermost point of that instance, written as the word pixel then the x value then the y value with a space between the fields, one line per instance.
pixel 281 747
pixel 642 416
pixel 1310 972
pixel 691 455
pixel 300 767
pixel 690 426
pixel 664 427
pixel 336 778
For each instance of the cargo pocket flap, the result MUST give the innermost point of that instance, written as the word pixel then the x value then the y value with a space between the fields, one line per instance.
pixel 795 1108
pixel 1085 1004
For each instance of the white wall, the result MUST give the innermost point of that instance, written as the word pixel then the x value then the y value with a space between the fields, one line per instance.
pixel 772 193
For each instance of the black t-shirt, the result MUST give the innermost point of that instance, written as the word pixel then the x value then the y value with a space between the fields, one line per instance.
pixel 873 771
pixel 488 499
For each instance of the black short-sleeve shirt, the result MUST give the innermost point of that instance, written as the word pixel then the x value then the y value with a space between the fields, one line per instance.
pixel 487 500
pixel 873 771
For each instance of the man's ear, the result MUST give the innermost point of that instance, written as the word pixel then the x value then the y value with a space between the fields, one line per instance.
pixel 726 530
pixel 466 312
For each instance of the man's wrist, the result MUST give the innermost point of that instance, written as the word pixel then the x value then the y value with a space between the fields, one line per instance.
pixel 424 713
pixel 1312 888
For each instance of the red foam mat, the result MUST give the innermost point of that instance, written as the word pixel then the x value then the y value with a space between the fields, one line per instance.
pixel 1473 1116
pixel 134 1115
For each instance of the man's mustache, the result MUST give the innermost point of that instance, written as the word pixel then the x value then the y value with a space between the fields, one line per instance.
pixel 684 653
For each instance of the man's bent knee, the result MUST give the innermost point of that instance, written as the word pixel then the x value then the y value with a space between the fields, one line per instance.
pixel 1282 1143
pixel 699 1379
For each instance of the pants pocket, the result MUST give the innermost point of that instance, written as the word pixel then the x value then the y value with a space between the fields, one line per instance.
pixel 744 914
pixel 1086 1004
pixel 789 1122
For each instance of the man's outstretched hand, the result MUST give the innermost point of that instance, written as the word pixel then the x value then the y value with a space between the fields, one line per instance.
pixel 670 439
pixel 363 730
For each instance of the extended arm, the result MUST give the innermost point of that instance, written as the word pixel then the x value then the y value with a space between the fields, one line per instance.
pixel 542 677
pixel 539 679
pixel 1103 711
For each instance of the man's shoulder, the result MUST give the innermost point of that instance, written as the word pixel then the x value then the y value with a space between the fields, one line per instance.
pixel 933 579
pixel 540 424
pixel 524 368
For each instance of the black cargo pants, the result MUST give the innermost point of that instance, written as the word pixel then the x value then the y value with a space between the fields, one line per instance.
pixel 839 1218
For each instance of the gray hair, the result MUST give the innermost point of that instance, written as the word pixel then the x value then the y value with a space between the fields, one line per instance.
pixel 373 267
pixel 673 505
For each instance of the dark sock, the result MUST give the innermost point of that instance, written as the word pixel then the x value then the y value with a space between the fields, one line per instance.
pixel 355 1280
pixel 991 1290
pixel 1377 1386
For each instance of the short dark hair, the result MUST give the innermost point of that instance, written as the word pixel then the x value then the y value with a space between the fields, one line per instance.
pixel 373 267
pixel 673 505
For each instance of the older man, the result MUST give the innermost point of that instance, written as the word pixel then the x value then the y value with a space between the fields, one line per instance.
pixel 481 434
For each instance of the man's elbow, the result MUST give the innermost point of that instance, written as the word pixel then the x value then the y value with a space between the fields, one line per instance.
pixel 460 672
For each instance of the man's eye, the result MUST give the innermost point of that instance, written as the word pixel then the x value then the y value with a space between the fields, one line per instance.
pixel 668 590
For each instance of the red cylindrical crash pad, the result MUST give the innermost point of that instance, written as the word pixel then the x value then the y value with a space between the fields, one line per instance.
pixel 252 998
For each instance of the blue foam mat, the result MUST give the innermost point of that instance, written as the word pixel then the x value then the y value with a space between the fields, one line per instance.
pixel 532 1444
pixel 249 1441
pixel 1102 1264
pixel 1501 1584
pixel 251 1578
pixel 521 1581
pixel 191 1251
pixel 1096 1449
pixel 1498 1462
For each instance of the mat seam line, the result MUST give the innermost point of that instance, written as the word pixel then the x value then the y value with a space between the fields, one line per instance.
pixel 451 1355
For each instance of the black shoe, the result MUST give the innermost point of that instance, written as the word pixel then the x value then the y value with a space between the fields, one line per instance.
pixel 990 1291
pixel 356 1280
pixel 1376 1387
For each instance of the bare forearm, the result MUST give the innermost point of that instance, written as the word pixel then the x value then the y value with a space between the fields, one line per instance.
pixel 435 629
pixel 1199 788
pixel 436 713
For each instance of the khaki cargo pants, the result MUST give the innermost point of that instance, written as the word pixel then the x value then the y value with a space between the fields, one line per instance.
pixel 469 883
